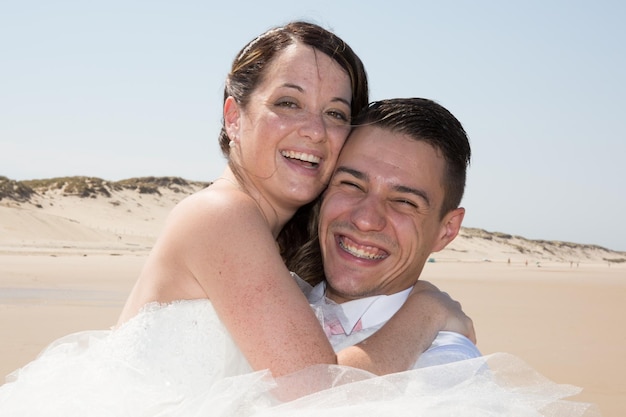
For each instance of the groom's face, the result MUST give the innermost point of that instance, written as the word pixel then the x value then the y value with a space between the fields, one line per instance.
pixel 380 216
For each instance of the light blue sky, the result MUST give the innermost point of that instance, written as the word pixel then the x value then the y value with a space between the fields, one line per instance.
pixel 118 89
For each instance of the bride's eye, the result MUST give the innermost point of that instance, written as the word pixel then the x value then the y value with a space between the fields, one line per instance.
pixel 339 115
pixel 287 103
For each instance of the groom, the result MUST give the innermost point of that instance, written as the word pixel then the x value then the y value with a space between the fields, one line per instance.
pixel 392 201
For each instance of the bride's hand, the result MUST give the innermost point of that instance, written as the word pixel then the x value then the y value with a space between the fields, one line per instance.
pixel 455 319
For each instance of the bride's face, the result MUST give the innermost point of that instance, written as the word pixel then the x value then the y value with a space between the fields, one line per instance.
pixel 289 135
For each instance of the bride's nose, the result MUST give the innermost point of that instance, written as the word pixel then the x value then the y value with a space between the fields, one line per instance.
pixel 313 127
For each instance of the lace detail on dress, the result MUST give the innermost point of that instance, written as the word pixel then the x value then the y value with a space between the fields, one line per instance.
pixel 178 342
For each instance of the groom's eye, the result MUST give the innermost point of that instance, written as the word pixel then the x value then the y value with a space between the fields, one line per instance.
pixel 406 202
pixel 350 184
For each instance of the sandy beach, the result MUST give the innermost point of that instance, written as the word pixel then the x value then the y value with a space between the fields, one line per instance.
pixel 67 264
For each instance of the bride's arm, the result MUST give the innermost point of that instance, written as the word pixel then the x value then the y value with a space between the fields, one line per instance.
pixel 227 247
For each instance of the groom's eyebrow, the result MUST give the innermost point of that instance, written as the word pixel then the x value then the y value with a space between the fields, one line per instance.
pixel 423 195
pixel 418 193
pixel 351 171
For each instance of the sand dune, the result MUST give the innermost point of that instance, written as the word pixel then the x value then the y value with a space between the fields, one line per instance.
pixel 131 212
pixel 70 250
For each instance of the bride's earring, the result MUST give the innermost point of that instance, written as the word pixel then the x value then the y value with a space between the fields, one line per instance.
pixel 232 143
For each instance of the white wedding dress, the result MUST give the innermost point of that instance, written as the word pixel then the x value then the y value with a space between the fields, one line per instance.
pixel 178 360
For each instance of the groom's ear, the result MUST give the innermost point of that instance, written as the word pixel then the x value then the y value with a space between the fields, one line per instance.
pixel 450 227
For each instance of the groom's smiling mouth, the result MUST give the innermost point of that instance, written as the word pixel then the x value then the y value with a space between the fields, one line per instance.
pixel 361 251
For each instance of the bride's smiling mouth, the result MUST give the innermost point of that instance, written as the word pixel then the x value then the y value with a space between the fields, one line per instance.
pixel 305 159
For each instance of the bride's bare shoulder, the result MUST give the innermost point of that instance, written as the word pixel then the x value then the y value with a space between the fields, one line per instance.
pixel 217 206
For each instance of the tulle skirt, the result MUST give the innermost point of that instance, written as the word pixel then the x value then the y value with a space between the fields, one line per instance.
pixel 178 360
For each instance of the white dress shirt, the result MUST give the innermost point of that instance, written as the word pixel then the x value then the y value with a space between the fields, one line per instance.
pixel 373 313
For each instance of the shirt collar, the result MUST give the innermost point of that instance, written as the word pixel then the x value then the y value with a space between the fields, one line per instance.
pixel 372 311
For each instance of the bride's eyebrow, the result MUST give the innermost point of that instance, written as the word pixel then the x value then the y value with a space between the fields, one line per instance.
pixel 295 86
pixel 300 89
pixel 342 100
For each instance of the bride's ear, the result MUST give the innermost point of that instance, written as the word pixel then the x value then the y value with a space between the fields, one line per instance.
pixel 232 115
